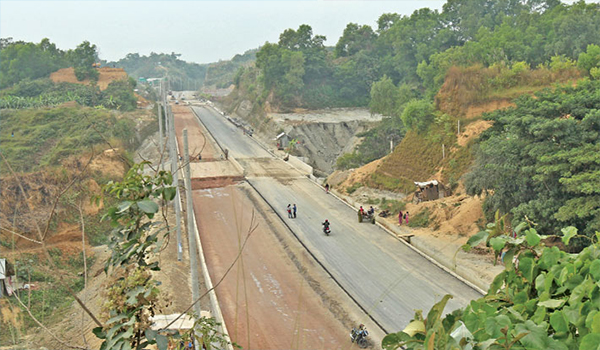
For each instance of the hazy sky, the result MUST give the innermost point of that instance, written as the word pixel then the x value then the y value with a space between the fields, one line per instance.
pixel 202 31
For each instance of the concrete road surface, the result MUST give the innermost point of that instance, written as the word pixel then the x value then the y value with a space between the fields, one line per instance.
pixel 386 278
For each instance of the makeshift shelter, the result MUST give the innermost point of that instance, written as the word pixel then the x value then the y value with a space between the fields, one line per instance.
pixel 428 191
pixel 283 140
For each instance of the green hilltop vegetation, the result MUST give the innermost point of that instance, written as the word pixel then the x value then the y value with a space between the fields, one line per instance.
pixel 424 71
pixel 26 68
pixel 184 75
pixel 407 58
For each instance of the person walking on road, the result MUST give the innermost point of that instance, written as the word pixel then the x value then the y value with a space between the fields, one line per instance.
pixel 294 209
pixel 326 188
pixel 289 210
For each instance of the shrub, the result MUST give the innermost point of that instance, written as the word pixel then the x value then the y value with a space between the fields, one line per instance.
pixel 348 161
pixel 418 115
pixel 354 187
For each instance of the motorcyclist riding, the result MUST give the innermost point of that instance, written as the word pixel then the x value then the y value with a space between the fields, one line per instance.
pixel 326 227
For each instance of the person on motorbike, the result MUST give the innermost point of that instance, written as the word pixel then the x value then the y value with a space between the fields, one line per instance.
pixel 371 210
pixel 326 226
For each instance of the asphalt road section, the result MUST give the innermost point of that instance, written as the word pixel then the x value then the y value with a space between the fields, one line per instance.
pixel 387 279
pixel 274 296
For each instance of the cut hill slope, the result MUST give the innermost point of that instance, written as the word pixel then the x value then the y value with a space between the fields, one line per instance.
pixel 107 76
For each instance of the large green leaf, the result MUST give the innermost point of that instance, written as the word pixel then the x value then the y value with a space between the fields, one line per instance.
pixel 494 325
pixel 475 240
pixel 596 323
pixel 415 327
pixel 393 340
pixel 568 233
pixel 595 270
pixel 552 303
pixel 533 238
pixel 162 342
pixel 590 342
pixel 526 266
pixel 549 258
pixel 148 206
pixel 559 321
pixel 498 243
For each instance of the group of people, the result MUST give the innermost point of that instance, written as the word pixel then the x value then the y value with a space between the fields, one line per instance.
pixel 292 211
pixel 370 212
pixel 403 216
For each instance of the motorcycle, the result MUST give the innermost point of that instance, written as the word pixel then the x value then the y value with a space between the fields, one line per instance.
pixel 359 336
pixel 326 229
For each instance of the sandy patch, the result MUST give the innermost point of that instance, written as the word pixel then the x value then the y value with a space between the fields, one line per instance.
pixel 473 130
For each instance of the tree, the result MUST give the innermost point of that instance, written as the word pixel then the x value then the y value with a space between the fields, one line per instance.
pixel 384 97
pixel 418 115
pixel 83 58
pixel 589 59
pixel 354 39
pixel 540 159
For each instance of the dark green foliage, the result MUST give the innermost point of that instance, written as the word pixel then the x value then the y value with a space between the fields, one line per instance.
pixel 43 93
pixel 416 51
pixel 590 59
pixel 541 160
pixel 418 115
pixel 544 299
pixel 119 95
pixel 29 61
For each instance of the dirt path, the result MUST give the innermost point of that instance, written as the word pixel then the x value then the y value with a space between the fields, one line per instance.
pixel 198 144
pixel 267 303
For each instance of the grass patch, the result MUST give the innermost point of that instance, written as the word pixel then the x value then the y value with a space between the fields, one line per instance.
pixel 354 187
pixel 392 205
pixel 417 158
pixel 421 219
pixel 369 201
pixel 35 138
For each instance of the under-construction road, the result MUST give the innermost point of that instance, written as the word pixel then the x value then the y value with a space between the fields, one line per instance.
pixel 384 276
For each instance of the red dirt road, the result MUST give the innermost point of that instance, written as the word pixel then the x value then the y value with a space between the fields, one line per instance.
pixel 266 302
pixel 185 118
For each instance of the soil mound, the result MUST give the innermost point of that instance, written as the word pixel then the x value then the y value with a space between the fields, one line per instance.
pixel 107 76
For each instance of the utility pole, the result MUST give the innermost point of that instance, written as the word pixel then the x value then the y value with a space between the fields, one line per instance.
pixel 190 225
pixel 175 172
pixel 160 131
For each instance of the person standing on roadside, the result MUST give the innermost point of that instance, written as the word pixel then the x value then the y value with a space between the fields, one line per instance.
pixel 326 188
pixel 400 216
pixel 294 209
pixel 289 210
pixel 406 217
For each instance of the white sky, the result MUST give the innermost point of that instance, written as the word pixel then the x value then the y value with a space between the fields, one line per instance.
pixel 202 31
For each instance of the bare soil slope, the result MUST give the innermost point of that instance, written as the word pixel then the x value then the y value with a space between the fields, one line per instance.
pixel 107 76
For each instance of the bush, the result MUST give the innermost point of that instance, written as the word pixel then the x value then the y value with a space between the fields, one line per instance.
pixel 418 115
pixel 354 187
pixel 348 161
